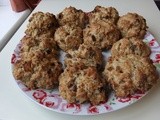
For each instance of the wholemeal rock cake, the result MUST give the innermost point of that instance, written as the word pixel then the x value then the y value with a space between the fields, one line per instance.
pixel 73 16
pixel 132 25
pixel 31 45
pixel 41 24
pixel 131 45
pixel 109 14
pixel 38 66
pixel 129 74
pixel 101 34
pixel 69 37
pixel 88 54
pixel 79 84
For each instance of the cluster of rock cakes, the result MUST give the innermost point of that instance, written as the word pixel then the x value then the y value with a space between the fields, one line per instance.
pixel 81 80
pixel 130 69
pixel 83 37
pixel 39 66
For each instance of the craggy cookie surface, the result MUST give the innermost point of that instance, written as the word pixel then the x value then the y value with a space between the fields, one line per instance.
pixel 128 74
pixel 101 34
pixel 38 66
pixel 69 37
pixel 132 25
pixel 132 45
pixel 84 37
pixel 108 14
pixel 78 84
pixel 72 16
pixel 41 24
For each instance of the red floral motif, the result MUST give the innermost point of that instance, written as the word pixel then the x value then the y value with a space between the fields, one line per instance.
pixel 123 100
pixel 13 59
pixel 76 108
pixel 108 107
pixel 157 56
pixel 156 61
pixel 39 95
pixel 138 95
pixel 93 109
pixel 72 105
pixel 49 104
pixel 52 101
pixel 152 42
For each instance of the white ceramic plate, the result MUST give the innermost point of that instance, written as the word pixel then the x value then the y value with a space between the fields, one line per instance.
pixel 51 99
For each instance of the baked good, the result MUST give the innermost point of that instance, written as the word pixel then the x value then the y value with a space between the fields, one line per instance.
pixel 69 61
pixel 132 45
pixel 92 54
pixel 41 25
pixel 129 74
pixel 72 16
pixel 43 75
pixel 38 66
pixel 109 14
pixel 78 84
pixel 43 47
pixel 83 37
pixel 69 37
pixel 101 34
pixel 132 25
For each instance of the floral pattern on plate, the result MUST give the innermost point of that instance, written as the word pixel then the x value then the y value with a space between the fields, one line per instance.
pixel 51 99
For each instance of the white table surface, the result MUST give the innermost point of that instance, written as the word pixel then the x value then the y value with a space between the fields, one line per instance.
pixel 15 106
pixel 10 21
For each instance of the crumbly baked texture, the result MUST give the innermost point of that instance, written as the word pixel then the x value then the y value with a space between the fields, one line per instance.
pixel 69 61
pixel 82 37
pixel 129 74
pixel 81 85
pixel 109 14
pixel 38 66
pixel 69 37
pixel 132 45
pixel 41 25
pixel 132 25
pixel 72 16
pixel 101 34
pixel 43 47
pixel 90 53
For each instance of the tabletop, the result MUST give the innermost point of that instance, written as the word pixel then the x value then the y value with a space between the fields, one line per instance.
pixel 15 106
pixel 10 21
